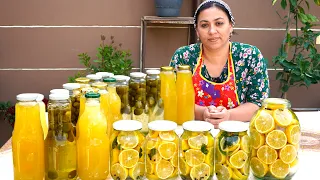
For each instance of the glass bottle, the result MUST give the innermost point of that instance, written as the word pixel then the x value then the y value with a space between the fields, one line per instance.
pixel 122 89
pixel 275 134
pixel 196 150
pixel 127 154
pixel 74 93
pixel 155 105
pixel 169 93
pixel 185 97
pixel 27 139
pixel 93 149
pixel 105 75
pixel 60 144
pixel 162 149
pixel 94 78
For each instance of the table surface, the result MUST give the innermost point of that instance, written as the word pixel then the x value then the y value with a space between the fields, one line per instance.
pixel 309 154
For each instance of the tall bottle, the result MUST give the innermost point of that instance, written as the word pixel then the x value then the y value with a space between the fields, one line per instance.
pixel 154 101
pixel 122 89
pixel 27 139
pixel 92 141
pixel 185 97
pixel 60 144
pixel 169 93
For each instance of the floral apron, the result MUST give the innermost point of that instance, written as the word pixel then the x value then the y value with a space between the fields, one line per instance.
pixel 216 94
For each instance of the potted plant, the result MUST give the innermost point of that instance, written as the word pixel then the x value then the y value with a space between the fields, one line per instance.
pixel 168 8
pixel 298 57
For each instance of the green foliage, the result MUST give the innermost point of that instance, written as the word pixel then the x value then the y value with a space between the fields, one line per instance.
pixel 4 106
pixel 298 56
pixel 110 58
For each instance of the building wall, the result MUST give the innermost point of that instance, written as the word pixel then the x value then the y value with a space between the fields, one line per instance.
pixel 40 40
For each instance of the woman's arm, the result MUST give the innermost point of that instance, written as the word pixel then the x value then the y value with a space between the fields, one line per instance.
pixel 198 112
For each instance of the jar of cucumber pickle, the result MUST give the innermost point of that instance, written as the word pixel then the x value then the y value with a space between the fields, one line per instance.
pixel 122 88
pixel 74 93
pixel 127 153
pixel 232 151
pixel 275 133
pixel 162 150
pixel 60 144
pixel 155 105
pixel 137 99
pixel 196 150
pixel 94 78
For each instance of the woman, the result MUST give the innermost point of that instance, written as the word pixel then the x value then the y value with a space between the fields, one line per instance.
pixel 230 78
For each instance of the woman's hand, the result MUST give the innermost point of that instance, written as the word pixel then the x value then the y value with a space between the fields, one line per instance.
pixel 215 115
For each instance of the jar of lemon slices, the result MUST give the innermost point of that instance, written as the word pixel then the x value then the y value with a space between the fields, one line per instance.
pixel 232 151
pixel 127 154
pixel 196 150
pixel 162 150
pixel 275 133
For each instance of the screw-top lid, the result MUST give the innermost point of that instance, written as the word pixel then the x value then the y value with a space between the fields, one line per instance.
pixel 137 75
pixel 27 97
pixel 59 91
pixel 82 80
pixel 197 126
pixel 58 96
pixel 121 78
pixel 92 95
pixel 94 76
pixel 127 125
pixel 105 74
pixel 233 126
pixel 109 80
pixel 153 71
pixel 162 125
pixel 276 103
pixel 183 67
pixel 71 86
pixel 166 68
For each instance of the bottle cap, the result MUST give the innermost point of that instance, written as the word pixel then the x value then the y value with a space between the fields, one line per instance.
pixel 27 97
pixel 153 71
pixel 166 68
pixel 109 80
pixel 127 125
pixel 105 74
pixel 82 80
pixel 92 95
pixel 183 67
pixel 137 75
pixel 233 126
pixel 94 76
pixel 59 96
pixel 59 91
pixel 71 86
pixel 162 125
pixel 197 126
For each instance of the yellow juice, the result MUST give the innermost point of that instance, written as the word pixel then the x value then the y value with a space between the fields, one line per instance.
pixel 43 119
pixel 114 107
pixel 28 142
pixel 106 109
pixel 92 142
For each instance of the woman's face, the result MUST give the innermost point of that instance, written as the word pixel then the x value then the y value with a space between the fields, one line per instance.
pixel 214 28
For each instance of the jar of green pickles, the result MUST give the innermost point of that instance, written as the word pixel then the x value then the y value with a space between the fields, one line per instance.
pixel 122 88
pixel 127 153
pixel 74 93
pixel 232 152
pixel 60 144
pixel 155 105
pixel 162 148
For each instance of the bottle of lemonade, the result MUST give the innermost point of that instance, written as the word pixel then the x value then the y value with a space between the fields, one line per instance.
pixel 169 93
pixel 185 96
pixel 92 141
pixel 27 139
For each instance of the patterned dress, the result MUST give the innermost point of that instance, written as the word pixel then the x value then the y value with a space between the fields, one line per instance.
pixel 246 64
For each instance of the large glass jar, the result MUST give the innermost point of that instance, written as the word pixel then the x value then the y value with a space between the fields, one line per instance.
pixel 275 133
pixel 155 103
pixel 161 149
pixel 196 150
pixel 74 94
pixel 122 89
pixel 60 144
pixel 94 78
pixel 127 154
pixel 137 99
pixel 232 151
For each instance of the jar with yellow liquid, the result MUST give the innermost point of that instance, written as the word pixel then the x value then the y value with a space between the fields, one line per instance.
pixel 196 150
pixel 60 144
pixel 155 105
pixel 122 88
pixel 74 93
pixel 27 139
pixel 232 152
pixel 275 132
pixel 185 95
pixel 127 153
pixel 162 149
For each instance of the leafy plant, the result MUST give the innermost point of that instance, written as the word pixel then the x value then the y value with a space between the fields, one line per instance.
pixel 298 56
pixel 110 58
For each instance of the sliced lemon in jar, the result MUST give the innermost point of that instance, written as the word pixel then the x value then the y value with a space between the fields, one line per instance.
pixel 164 169
pixel 153 143
pixel 257 139
pixel 245 144
pixel 129 158
pixel 209 156
pixel 174 160
pixel 283 117
pixel 115 156
pixel 128 140
pixel 167 150
pixel 167 135
pixel 118 172
pixel 264 123
pixel 279 169
pixel 194 157
pixel 245 169
pixel 259 168
pixel 288 154
pixel 237 175
pixel 137 172
pixel 223 172
pixel 201 171
pixel 239 159
pixel 184 145
pixel 276 139
pixel 149 167
pixel 197 141
pixel 229 144
pixel 293 134
pixel 184 167
pixel 267 154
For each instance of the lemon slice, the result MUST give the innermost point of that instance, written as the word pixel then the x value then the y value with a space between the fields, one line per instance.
pixel 239 159
pixel 153 155
pixel 167 150
pixel 164 169
pixel 259 169
pixel 264 123
pixel 149 167
pixel 129 158
pixel 194 157
pixel 257 139
pixel 283 117
pixel 118 172
pixel 219 157
pixel 137 172
pixel 245 169
pixel 288 154
pixel 223 172
pixel 197 141
pixel 267 154
pixel 184 167
pixel 115 156
pixel 167 135
pixel 128 139
pixel 201 171
pixel 279 169
pixel 293 134
pixel 184 145
pixel 276 139
pixel 174 160
pixel 153 143
pixel 244 144
pixel 229 144
pixel 236 174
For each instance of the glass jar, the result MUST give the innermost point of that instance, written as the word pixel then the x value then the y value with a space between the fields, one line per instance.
pixel 196 150
pixel 122 89
pixel 60 144
pixel 83 81
pixel 94 78
pixel 127 154
pixel 161 149
pixel 59 91
pixel 74 94
pixel 155 105
pixel 105 75
pixel 232 151
pixel 275 132
pixel 137 99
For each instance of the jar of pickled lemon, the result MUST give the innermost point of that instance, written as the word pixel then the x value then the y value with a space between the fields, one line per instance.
pixel 196 150
pixel 127 154
pixel 161 149
pixel 232 151
pixel 275 132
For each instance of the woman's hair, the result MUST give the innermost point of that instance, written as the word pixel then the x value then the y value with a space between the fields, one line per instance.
pixel 213 3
